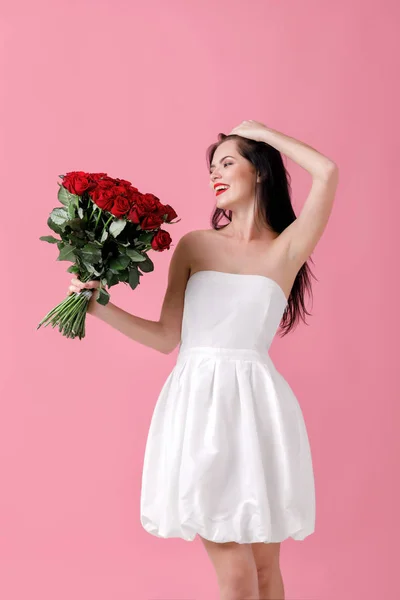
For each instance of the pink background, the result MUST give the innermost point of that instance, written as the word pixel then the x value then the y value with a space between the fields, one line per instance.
pixel 139 90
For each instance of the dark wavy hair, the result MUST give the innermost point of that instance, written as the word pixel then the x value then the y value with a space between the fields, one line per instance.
pixel 273 209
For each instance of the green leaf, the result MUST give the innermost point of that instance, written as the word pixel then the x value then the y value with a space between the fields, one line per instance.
pixel 59 216
pixel 147 266
pixel 49 238
pixel 112 278
pixel 90 253
pixel 89 268
pixel 123 275
pixel 134 255
pixel 133 278
pixel 65 197
pixel 146 237
pixel 104 236
pixel 116 227
pixel 71 210
pixel 77 239
pixel 54 227
pixel 119 263
pixel 76 224
pixel 73 269
pixel 104 296
pixel 67 253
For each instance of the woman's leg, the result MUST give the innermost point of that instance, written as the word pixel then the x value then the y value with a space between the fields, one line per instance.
pixel 270 582
pixel 235 568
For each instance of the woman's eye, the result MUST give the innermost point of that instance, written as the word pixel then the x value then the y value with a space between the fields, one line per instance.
pixel 228 163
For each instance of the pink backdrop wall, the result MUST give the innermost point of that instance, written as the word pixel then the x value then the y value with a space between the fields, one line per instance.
pixel 139 90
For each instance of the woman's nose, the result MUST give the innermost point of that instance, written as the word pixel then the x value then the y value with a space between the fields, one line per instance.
pixel 215 176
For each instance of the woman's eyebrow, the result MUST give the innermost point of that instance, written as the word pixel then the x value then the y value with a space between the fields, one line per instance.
pixel 222 160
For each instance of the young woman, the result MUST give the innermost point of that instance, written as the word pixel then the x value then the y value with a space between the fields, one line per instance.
pixel 227 455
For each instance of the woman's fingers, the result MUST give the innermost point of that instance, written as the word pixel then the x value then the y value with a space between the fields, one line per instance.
pixel 77 285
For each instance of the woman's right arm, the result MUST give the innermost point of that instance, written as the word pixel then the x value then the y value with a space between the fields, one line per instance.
pixel 162 335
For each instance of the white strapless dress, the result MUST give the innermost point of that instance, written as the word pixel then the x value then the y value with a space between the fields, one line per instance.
pixel 227 454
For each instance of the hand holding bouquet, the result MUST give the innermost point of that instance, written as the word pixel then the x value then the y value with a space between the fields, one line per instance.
pixel 106 227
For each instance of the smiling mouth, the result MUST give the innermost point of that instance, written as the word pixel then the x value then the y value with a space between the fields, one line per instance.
pixel 221 191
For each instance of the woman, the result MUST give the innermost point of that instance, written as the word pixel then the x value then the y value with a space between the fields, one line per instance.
pixel 227 455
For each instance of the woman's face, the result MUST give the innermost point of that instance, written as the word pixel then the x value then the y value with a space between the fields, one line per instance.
pixel 230 168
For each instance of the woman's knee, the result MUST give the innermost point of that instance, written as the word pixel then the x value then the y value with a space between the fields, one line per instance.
pixel 234 564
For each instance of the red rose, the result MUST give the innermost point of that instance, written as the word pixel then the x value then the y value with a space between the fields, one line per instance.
pixel 123 182
pixel 103 197
pixel 106 183
pixel 161 241
pixel 169 211
pixel 97 176
pixel 133 194
pixel 147 203
pixel 151 202
pixel 121 206
pixel 151 221
pixel 143 205
pixel 78 182
pixel 133 216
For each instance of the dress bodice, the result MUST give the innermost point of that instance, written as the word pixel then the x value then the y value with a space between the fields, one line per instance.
pixel 231 310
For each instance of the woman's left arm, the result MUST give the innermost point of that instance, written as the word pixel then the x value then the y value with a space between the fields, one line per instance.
pixel 304 233
pixel 318 165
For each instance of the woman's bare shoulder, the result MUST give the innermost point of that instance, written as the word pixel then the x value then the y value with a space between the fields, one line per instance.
pixel 200 232
pixel 200 246
pixel 197 235
pixel 193 240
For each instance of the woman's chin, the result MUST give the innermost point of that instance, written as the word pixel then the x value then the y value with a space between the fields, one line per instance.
pixel 223 205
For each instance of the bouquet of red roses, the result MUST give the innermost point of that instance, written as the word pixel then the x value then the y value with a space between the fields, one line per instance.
pixel 106 226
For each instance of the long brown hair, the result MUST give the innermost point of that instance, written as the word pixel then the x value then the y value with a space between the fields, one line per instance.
pixel 273 209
